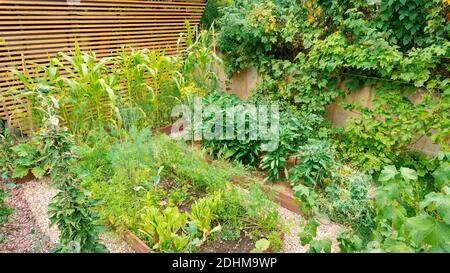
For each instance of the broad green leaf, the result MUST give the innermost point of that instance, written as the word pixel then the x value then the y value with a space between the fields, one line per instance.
pixel 20 171
pixel 424 228
pixel 439 235
pixel 441 203
pixel 445 248
pixel 408 174
pixel 38 172
pixel 395 246
pixel 419 227
pixel 388 173
pixel 442 175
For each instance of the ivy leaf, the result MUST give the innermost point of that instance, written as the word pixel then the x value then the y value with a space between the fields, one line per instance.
pixel 388 173
pixel 408 174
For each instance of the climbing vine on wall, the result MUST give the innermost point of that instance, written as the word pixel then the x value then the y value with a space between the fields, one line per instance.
pixel 311 52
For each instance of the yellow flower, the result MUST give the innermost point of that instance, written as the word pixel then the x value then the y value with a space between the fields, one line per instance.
pixel 191 90
pixel 319 11
pixel 308 4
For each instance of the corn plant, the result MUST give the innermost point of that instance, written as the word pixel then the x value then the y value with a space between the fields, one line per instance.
pixel 89 84
pixel 198 75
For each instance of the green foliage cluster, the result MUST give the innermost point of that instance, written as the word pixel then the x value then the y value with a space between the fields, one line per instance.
pixel 388 132
pixel 168 194
pixel 408 214
pixel 132 88
pixel 5 149
pixel 163 229
pixel 295 128
pixel 5 210
pixel 247 150
pixel 71 210
pixel 311 52
pixel 326 187
pixel 118 172
pixel 213 11
pixel 409 217
pixel 49 152
pixel 308 237
pixel 316 163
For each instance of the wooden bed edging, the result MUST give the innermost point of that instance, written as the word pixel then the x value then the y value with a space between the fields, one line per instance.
pixel 285 197
pixel 136 243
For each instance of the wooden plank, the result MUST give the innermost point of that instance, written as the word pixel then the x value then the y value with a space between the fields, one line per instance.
pixel 115 3
pixel 75 22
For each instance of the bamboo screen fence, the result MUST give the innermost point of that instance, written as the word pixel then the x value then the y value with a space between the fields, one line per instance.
pixel 33 31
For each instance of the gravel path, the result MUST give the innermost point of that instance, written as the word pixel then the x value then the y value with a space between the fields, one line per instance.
pixel 23 233
pixel 292 243
pixel 39 194
pixel 31 200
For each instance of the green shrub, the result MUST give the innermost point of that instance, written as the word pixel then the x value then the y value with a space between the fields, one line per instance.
pixel 5 210
pixel 316 164
pixel 346 200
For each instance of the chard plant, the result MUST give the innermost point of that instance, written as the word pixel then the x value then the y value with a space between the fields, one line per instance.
pixel 163 229
pixel 204 214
